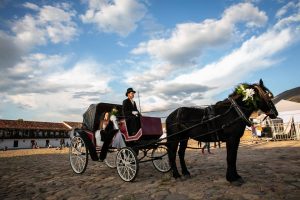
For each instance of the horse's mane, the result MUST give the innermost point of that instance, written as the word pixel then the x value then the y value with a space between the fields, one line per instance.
pixel 233 95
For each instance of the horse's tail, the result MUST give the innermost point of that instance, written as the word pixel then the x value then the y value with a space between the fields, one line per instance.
pixel 171 123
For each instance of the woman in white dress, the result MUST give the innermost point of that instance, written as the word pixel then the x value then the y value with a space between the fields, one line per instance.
pixel 107 134
pixel 118 141
pixel 100 132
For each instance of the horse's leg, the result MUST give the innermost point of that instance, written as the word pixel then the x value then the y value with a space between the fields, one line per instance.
pixel 172 150
pixel 232 176
pixel 181 153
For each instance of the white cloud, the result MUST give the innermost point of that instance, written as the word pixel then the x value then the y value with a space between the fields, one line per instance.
pixel 254 54
pixel 10 51
pixel 188 40
pixel 31 6
pixel 43 84
pixel 117 16
pixel 121 44
pixel 283 10
pixel 85 76
pixel 245 12
pixel 50 23
pixel 37 64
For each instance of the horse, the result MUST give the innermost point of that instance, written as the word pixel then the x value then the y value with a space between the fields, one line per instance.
pixel 225 121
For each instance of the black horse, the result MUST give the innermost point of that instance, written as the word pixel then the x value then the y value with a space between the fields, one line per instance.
pixel 225 121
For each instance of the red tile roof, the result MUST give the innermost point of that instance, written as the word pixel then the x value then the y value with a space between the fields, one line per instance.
pixel 20 124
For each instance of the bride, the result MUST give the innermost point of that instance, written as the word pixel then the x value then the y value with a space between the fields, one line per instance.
pixel 118 141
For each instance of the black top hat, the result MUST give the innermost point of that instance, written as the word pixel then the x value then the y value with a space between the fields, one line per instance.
pixel 129 90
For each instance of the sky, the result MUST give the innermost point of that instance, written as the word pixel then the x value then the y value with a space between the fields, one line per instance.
pixel 58 57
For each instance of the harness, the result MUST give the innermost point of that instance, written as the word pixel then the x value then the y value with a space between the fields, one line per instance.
pixel 210 117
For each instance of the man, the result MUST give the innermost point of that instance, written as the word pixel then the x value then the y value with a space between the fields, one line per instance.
pixel 131 113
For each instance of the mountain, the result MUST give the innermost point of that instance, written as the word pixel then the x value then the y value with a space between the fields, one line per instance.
pixel 290 95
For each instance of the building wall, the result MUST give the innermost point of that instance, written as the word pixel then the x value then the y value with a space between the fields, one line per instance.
pixel 26 143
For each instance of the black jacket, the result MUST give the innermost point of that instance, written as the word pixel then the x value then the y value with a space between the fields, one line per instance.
pixel 128 107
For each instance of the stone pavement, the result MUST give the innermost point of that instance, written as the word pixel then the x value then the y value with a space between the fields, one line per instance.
pixel 271 171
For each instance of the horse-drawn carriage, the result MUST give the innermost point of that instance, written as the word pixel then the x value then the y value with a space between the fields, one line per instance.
pixel 225 121
pixel 127 159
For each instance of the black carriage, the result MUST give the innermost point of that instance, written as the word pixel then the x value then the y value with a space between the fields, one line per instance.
pixel 144 146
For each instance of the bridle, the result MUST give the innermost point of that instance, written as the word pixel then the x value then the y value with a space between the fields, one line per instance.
pixel 267 98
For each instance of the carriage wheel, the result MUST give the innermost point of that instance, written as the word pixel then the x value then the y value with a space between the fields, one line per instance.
pixel 161 160
pixel 110 159
pixel 127 164
pixel 78 154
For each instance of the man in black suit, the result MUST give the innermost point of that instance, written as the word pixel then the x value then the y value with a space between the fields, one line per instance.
pixel 131 113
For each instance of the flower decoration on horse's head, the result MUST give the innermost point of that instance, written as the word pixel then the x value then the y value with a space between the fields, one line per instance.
pixel 247 94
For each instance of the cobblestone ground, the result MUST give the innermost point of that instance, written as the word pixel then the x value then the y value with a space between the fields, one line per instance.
pixel 271 171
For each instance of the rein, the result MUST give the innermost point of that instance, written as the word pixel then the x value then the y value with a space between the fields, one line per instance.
pixel 267 101
pixel 240 112
pixel 233 105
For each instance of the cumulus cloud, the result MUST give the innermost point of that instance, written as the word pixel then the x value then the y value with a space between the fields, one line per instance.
pixel 34 85
pixel 292 19
pixel 31 6
pixel 254 54
pixel 290 5
pixel 188 40
pixel 201 84
pixel 50 23
pixel 117 16
pixel 27 76
pixel 10 51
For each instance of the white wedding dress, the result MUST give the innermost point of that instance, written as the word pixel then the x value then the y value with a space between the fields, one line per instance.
pixel 118 141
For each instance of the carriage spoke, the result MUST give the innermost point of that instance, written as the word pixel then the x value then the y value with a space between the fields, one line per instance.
pixel 78 155
pixel 127 165
pixel 161 160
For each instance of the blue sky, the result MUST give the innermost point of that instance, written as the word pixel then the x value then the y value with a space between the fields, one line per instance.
pixel 58 57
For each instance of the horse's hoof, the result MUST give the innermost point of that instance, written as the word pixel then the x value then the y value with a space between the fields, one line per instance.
pixel 177 177
pixel 187 176
pixel 241 180
pixel 236 183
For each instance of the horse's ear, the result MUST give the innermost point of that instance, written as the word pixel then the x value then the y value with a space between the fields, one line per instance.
pixel 261 83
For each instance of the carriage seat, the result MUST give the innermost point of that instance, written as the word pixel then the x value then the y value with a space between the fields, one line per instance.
pixel 123 129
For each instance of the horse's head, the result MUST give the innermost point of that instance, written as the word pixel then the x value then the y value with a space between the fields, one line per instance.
pixel 257 97
pixel 264 100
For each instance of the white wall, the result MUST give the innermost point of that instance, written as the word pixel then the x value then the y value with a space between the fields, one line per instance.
pixel 26 143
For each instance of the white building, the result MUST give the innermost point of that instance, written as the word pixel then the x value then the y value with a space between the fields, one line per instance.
pixel 17 134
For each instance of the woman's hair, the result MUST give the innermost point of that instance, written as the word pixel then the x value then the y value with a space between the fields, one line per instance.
pixel 102 119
